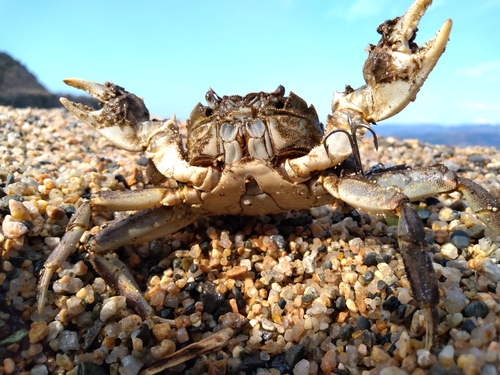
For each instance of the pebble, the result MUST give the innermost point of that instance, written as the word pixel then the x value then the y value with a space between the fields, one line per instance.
pixel 131 365
pixel 68 340
pixel 346 273
pixel 460 239
pixel 449 250
pixel 477 309
pixel 455 301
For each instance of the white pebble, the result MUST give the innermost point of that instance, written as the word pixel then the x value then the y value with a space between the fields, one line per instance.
pixel 55 327
pixel 446 356
pixel 301 368
pixel 130 365
pixel 110 306
pixel 39 370
pixel 455 301
pixel 449 250
pixel 13 228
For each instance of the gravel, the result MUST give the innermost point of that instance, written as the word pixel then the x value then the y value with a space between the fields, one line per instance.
pixel 321 290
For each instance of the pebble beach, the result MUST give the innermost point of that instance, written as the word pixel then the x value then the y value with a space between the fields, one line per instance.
pixel 321 291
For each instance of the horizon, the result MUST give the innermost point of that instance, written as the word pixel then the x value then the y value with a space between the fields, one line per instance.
pixel 171 53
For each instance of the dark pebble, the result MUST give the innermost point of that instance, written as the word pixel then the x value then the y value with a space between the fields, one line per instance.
pixel 476 231
pixel 477 309
pixel 369 339
pixel 340 304
pixel 326 265
pixel 318 355
pixel 298 221
pixel 177 263
pixel 369 276
pixel 240 300
pixel 266 335
pixel 16 261
pixel 458 205
pixel 279 362
pixel 460 239
pixel 431 201
pixel 364 323
pixel 13 273
pixel 294 354
pixel 346 332
pixel 370 259
pixel 143 161
pixel 383 258
pixel 91 333
pixel 166 313
pixel 391 304
pixel 210 297
pixel 468 325
pixel 279 240
pixel 145 334
pixel 90 368
pixel 282 303
pixel 402 311
pixel 381 285
pixel 322 249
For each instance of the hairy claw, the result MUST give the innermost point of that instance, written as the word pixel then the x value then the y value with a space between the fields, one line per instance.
pixel 395 70
pixel 123 118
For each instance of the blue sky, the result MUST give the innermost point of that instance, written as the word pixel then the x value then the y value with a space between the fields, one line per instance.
pixel 171 52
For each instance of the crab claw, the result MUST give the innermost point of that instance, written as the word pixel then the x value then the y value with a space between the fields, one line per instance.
pixel 395 70
pixel 122 119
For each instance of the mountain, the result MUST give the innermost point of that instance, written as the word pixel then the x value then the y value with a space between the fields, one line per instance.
pixel 459 135
pixel 20 88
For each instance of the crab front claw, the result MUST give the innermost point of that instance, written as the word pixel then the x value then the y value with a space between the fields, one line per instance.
pixel 395 70
pixel 123 119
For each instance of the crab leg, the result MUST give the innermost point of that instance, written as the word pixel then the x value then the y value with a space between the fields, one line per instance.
pixel 76 227
pixel 143 226
pixel 361 193
pixel 424 182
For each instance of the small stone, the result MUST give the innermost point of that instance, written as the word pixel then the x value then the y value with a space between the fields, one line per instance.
pixel 476 231
pixel 460 239
pixel 391 304
pixel 161 331
pixel 364 323
pixel 468 363
pixel 92 368
pixel 39 370
pixel 379 355
pixel 468 325
pixel 370 259
pixel 38 331
pixel 12 228
pixel 455 301
pixel 68 340
pixel 492 271
pixel 302 367
pixel 449 251
pixel 478 309
pixel 294 354
pixel 392 370
pixel 346 332
pixel 237 272
pixel 425 358
pixel 446 355
pixel 130 365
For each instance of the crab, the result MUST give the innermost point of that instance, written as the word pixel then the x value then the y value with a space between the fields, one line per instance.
pixel 266 153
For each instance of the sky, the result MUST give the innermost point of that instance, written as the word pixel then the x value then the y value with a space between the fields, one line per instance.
pixel 171 52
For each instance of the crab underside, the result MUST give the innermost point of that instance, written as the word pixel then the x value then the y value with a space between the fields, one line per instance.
pixel 267 153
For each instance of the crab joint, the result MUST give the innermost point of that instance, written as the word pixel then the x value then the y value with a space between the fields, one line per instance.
pixel 418 266
pixel 76 227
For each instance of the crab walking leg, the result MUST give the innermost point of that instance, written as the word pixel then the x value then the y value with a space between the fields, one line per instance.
pixel 116 274
pixel 143 226
pixel 368 196
pixel 133 200
pixel 76 227
pixel 423 182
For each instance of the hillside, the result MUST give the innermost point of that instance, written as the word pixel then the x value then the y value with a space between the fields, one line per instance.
pixel 20 88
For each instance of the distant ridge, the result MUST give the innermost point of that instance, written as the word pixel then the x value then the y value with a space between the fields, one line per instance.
pixel 20 88
pixel 458 135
